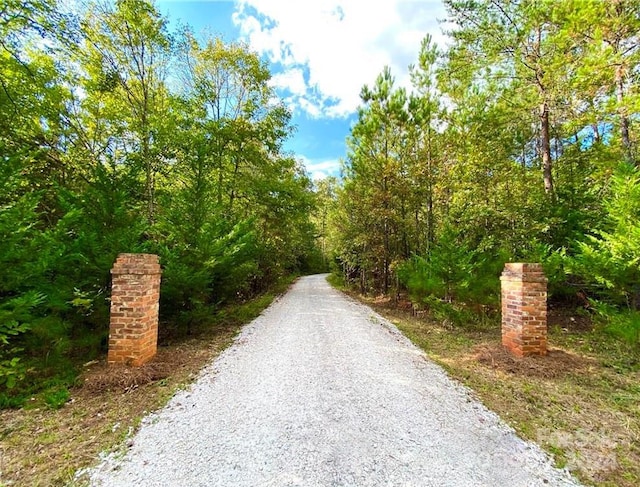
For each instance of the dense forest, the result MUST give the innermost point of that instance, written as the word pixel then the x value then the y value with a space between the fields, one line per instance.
pixel 518 142
pixel 120 136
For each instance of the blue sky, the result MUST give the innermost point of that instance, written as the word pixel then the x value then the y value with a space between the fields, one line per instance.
pixel 320 53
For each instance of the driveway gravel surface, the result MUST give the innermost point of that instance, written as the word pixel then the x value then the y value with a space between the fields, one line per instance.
pixel 321 391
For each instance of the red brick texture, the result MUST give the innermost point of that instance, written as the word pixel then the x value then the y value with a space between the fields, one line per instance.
pixel 135 295
pixel 524 309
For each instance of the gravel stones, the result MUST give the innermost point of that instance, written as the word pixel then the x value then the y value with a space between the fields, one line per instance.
pixel 321 391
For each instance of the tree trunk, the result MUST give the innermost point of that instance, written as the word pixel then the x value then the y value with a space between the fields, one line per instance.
pixel 430 219
pixel 624 119
pixel 385 238
pixel 220 176
pixel 149 176
pixel 234 177
pixel 385 206
pixel 545 142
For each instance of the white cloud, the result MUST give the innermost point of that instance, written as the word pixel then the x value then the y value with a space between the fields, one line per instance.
pixel 320 169
pixel 292 80
pixel 339 44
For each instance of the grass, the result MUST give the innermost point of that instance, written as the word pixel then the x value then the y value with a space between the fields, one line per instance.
pixel 60 431
pixel 581 403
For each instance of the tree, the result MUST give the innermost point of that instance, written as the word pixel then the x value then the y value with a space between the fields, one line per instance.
pixel 425 112
pixel 605 36
pixel 325 207
pixel 513 43
pixel 126 56
pixel 229 169
pixel 384 169
pixel 32 98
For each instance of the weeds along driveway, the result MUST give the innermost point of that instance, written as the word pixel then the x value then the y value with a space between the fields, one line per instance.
pixel 321 391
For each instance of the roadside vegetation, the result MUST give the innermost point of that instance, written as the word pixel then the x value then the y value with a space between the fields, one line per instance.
pixel 518 142
pixel 120 136
pixel 579 403
pixel 43 446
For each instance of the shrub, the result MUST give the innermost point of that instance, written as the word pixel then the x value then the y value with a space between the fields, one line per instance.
pixel 610 258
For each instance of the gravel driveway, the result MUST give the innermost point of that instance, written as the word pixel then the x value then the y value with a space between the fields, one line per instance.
pixel 321 391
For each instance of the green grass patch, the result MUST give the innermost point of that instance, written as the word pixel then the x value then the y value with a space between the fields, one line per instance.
pixel 336 281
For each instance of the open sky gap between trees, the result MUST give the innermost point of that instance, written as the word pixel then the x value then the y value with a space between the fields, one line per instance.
pixel 518 141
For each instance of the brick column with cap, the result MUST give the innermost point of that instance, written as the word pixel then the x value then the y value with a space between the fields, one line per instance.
pixel 135 295
pixel 524 309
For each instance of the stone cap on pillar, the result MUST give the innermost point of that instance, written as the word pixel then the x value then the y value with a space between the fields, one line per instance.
pixel 523 271
pixel 146 264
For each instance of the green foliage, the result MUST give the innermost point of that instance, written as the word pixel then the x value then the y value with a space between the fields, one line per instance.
pixel 521 163
pixel 56 397
pixel 195 278
pixel 16 313
pixel 18 235
pixel 101 155
pixel 16 318
pixel 623 325
pixel 336 280
pixel 554 263
pixel 445 272
pixel 453 272
pixel 10 370
pixel 610 258
pixel 616 336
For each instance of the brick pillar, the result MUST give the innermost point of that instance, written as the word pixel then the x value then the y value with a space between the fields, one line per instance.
pixel 135 293
pixel 524 309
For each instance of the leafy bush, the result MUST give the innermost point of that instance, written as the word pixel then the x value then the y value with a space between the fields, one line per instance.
pixel 197 277
pixel 610 258
pixel 452 271
pixel 446 272
pixel 554 264
pixel 15 319
pixel 623 325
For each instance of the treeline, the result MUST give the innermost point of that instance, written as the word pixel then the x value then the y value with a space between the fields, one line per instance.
pixel 120 136
pixel 519 142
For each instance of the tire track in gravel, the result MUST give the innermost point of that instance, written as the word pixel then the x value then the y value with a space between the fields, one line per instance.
pixel 321 391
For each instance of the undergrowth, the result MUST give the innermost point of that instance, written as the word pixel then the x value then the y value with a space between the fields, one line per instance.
pixel 49 379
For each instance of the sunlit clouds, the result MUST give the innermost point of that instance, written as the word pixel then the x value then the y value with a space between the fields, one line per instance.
pixel 324 51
